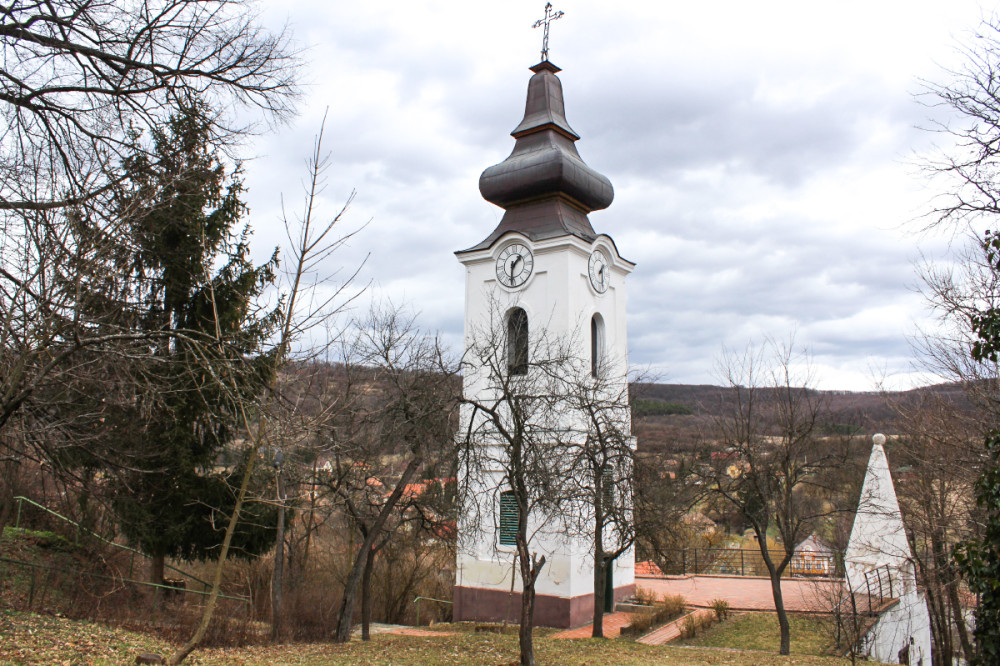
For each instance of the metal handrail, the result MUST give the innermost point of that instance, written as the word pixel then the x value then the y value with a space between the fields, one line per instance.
pixel 91 574
pixel 417 601
pixel 79 527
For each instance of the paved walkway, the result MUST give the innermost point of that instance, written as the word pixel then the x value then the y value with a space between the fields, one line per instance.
pixel 672 631
pixel 746 593
pixel 380 628
pixel 613 623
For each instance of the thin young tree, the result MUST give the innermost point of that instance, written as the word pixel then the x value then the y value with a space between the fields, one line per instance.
pixel 606 457
pixel 313 240
pixel 413 418
pixel 771 456
pixel 518 442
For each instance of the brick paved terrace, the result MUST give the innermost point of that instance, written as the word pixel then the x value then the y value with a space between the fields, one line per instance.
pixel 745 592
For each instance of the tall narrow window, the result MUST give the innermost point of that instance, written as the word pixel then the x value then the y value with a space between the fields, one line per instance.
pixel 596 344
pixel 509 515
pixel 517 342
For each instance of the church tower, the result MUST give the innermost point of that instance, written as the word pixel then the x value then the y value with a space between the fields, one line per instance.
pixel 543 268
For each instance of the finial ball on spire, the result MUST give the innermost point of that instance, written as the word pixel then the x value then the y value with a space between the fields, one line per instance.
pixel 879 439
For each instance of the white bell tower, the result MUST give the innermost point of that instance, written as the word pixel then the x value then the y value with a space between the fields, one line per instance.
pixel 545 266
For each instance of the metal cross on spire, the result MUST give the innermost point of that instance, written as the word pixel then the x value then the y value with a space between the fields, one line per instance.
pixel 550 16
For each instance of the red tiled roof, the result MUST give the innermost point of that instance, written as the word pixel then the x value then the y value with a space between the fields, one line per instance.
pixel 648 569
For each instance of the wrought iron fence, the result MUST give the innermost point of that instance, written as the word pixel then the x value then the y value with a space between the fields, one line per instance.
pixel 746 562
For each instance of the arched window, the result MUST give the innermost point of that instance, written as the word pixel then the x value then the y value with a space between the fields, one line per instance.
pixel 510 513
pixel 517 342
pixel 596 344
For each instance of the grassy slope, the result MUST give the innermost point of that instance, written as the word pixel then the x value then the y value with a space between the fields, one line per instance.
pixel 759 631
pixel 56 558
pixel 36 639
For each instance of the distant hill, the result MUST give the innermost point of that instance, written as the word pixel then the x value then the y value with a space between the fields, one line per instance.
pixel 673 417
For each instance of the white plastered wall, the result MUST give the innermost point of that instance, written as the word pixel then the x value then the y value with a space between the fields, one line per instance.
pixel 559 300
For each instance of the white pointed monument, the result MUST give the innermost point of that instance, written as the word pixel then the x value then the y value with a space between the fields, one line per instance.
pixel 878 538
pixel 879 563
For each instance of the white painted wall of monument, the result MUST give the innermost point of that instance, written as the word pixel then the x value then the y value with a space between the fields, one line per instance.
pixel 878 539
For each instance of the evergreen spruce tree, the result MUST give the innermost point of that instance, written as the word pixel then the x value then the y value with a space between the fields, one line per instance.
pixel 192 279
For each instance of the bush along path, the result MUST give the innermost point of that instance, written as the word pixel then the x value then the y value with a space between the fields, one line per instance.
pixel 675 629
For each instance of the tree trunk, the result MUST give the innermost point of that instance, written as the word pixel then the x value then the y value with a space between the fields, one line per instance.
pixel 779 607
pixel 366 596
pixel 277 577
pixel 774 572
pixel 600 575
pixel 213 596
pixel 156 570
pixel 968 649
pixel 346 615
pixel 524 634
pixel 530 568
pixel 304 561
pixel 156 577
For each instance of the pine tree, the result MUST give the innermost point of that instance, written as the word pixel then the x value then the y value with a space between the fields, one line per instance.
pixel 192 280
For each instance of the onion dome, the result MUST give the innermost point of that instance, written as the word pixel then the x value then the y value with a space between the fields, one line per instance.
pixel 544 185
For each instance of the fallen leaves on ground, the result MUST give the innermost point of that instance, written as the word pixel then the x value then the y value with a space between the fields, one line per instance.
pixel 28 638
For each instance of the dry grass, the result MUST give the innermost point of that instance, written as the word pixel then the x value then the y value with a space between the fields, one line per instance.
pixel 36 639
pixel 759 631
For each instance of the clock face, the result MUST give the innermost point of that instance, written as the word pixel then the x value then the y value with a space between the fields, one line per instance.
pixel 514 265
pixel 600 272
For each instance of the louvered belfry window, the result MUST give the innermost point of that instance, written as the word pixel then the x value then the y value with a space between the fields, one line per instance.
pixel 509 514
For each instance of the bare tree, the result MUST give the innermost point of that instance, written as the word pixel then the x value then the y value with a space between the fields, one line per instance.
pixel 412 419
pixel 83 79
pixel 769 456
pixel 514 442
pixel 940 447
pixel 606 458
pixel 312 241
pixel 965 296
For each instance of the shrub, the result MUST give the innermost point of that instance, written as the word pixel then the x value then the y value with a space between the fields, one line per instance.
pixel 669 607
pixel 644 597
pixel 661 611
pixel 639 623
pixel 694 623
pixel 690 627
pixel 721 608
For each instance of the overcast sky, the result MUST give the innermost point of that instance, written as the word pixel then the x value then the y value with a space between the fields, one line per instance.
pixel 761 154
